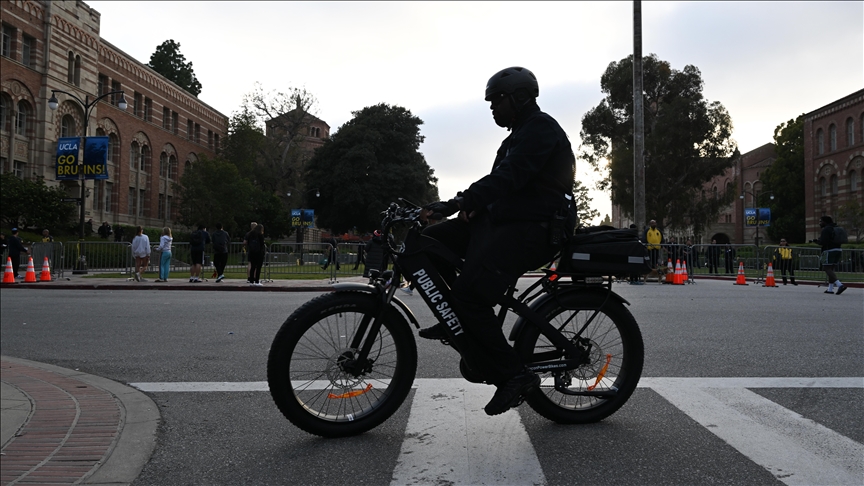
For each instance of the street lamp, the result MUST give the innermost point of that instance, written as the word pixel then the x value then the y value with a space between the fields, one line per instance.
pixel 88 106
pixel 756 201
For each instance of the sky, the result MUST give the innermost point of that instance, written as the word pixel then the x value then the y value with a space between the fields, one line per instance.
pixel 766 62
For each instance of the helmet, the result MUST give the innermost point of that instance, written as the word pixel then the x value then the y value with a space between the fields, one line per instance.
pixel 512 80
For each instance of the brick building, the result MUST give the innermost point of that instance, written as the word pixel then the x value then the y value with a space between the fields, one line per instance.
pixel 833 160
pixel 55 45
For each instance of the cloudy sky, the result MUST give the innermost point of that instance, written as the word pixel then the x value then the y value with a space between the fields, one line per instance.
pixel 767 62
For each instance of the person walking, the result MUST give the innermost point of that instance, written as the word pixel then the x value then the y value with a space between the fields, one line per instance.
pixel 831 254
pixel 254 242
pixel 713 255
pixel 654 239
pixel 141 252
pixel 16 247
pixel 165 260
pixel 783 261
pixel 197 242
pixel 221 241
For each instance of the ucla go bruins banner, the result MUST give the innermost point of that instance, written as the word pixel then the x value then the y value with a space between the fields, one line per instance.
pixel 95 158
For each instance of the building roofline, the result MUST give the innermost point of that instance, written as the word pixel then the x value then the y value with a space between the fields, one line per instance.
pixel 833 104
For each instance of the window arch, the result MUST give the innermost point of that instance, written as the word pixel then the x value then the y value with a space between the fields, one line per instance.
pixel 853 181
pixel 832 137
pixel 822 186
pixel 134 155
pixel 850 132
pixel 834 184
pixel 67 126
pixel 22 118
pixel 820 142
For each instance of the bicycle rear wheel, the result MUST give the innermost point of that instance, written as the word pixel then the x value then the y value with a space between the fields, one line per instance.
pixel 614 349
pixel 314 379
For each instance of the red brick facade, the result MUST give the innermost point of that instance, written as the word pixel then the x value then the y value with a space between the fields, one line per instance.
pixel 56 46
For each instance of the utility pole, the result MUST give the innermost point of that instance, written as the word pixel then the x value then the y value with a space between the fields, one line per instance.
pixel 638 123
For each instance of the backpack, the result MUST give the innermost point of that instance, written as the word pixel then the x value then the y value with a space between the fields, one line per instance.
pixel 254 244
pixel 840 235
pixel 197 239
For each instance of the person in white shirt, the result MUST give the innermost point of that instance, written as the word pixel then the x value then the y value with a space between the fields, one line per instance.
pixel 165 260
pixel 141 252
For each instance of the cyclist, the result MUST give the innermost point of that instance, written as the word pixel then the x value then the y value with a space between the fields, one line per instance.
pixel 509 222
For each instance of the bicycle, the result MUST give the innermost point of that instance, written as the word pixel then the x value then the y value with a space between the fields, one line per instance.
pixel 344 362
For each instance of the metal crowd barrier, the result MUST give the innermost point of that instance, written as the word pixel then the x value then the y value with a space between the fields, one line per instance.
pixel 806 264
pixel 97 256
pixel 54 252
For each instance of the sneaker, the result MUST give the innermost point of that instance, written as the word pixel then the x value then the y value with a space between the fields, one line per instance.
pixel 829 291
pixel 509 394
pixel 258 284
pixel 137 277
pixel 841 289
pixel 251 284
pixel 191 279
pixel 435 332
pixel 220 278
pixel 158 280
pixel 197 280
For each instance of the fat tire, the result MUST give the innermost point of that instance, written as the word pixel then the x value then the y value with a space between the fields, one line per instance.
pixel 613 331
pixel 321 329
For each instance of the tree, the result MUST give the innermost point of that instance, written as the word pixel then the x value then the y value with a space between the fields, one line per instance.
pixel 851 217
pixel 26 203
pixel 687 142
pixel 785 178
pixel 169 62
pixel 372 160
pixel 584 213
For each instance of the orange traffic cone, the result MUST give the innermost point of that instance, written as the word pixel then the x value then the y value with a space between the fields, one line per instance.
pixel 670 272
pixel 741 280
pixel 30 277
pixel 684 277
pixel 769 280
pixel 45 276
pixel 8 274
pixel 677 278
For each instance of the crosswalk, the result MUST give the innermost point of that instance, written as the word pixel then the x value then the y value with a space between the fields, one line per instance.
pixel 449 440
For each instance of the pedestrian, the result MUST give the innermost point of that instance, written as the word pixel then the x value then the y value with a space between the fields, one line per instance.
pixel 141 252
pixel 783 261
pixel 361 257
pixel 4 245
pixel 333 256
pixel 654 238
pixel 119 233
pixel 254 242
pixel 46 237
pixel 88 227
pixel 165 260
pixel 689 254
pixel 105 230
pixel 713 257
pixel 375 254
pixel 16 247
pixel 509 221
pixel 831 254
pixel 729 253
pixel 245 256
pixel 197 242
pixel 221 240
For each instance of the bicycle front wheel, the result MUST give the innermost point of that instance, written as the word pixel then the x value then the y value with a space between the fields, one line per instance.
pixel 608 334
pixel 315 377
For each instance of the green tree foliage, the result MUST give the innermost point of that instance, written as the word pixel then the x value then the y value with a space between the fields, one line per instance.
pixel 169 62
pixel 851 217
pixel 687 142
pixel 372 160
pixel 32 204
pixel 583 204
pixel 785 178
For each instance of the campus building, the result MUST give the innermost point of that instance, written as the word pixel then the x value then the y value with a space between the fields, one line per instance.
pixel 55 45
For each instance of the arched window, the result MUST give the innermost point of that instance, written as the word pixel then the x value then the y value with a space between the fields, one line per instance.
pixel 834 186
pixel 67 126
pixel 820 142
pixel 145 158
pixel 832 137
pixel 113 149
pixel 850 132
pixel 134 155
pixel 70 75
pixel 163 165
pixel 22 118
pixel 822 188
pixel 77 77
pixel 853 181
pixel 172 168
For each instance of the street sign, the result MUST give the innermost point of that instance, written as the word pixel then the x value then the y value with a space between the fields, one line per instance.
pixel 76 200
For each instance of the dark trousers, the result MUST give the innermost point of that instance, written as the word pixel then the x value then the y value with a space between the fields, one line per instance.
pixel 219 261
pixel 16 262
pixel 256 261
pixel 713 263
pixel 496 255
pixel 655 255
pixel 786 266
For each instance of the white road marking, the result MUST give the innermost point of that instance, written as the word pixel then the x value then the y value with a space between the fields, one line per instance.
pixel 796 450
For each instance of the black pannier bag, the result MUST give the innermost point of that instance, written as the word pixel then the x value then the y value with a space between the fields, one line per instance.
pixel 603 250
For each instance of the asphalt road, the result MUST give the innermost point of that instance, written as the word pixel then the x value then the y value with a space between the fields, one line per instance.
pixel 663 435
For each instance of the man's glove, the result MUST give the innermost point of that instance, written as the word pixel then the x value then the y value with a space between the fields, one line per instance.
pixel 442 209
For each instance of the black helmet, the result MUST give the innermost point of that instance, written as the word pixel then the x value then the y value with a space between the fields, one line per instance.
pixel 512 80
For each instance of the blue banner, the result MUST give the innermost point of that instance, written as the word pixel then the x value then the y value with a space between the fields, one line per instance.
pixel 764 216
pixel 303 218
pixel 96 158
pixel 757 217
pixel 66 161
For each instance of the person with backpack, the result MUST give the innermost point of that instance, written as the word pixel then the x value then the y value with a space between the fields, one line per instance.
pixel 197 241
pixel 254 243
pixel 221 239
pixel 830 239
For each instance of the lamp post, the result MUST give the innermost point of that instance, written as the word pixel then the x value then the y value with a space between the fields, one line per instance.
pixel 756 202
pixel 88 106
pixel 302 230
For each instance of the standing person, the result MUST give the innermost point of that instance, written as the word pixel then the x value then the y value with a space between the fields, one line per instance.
pixel 831 254
pixel 713 257
pixel 254 242
pixel 105 230
pixel 119 233
pixel 245 255
pixel 16 247
pixel 197 241
pixel 729 252
pixel 507 225
pixel 333 254
pixel 46 237
pixel 689 254
pixel 165 260
pixel 654 238
pixel 221 240
pixel 783 261
pixel 141 252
